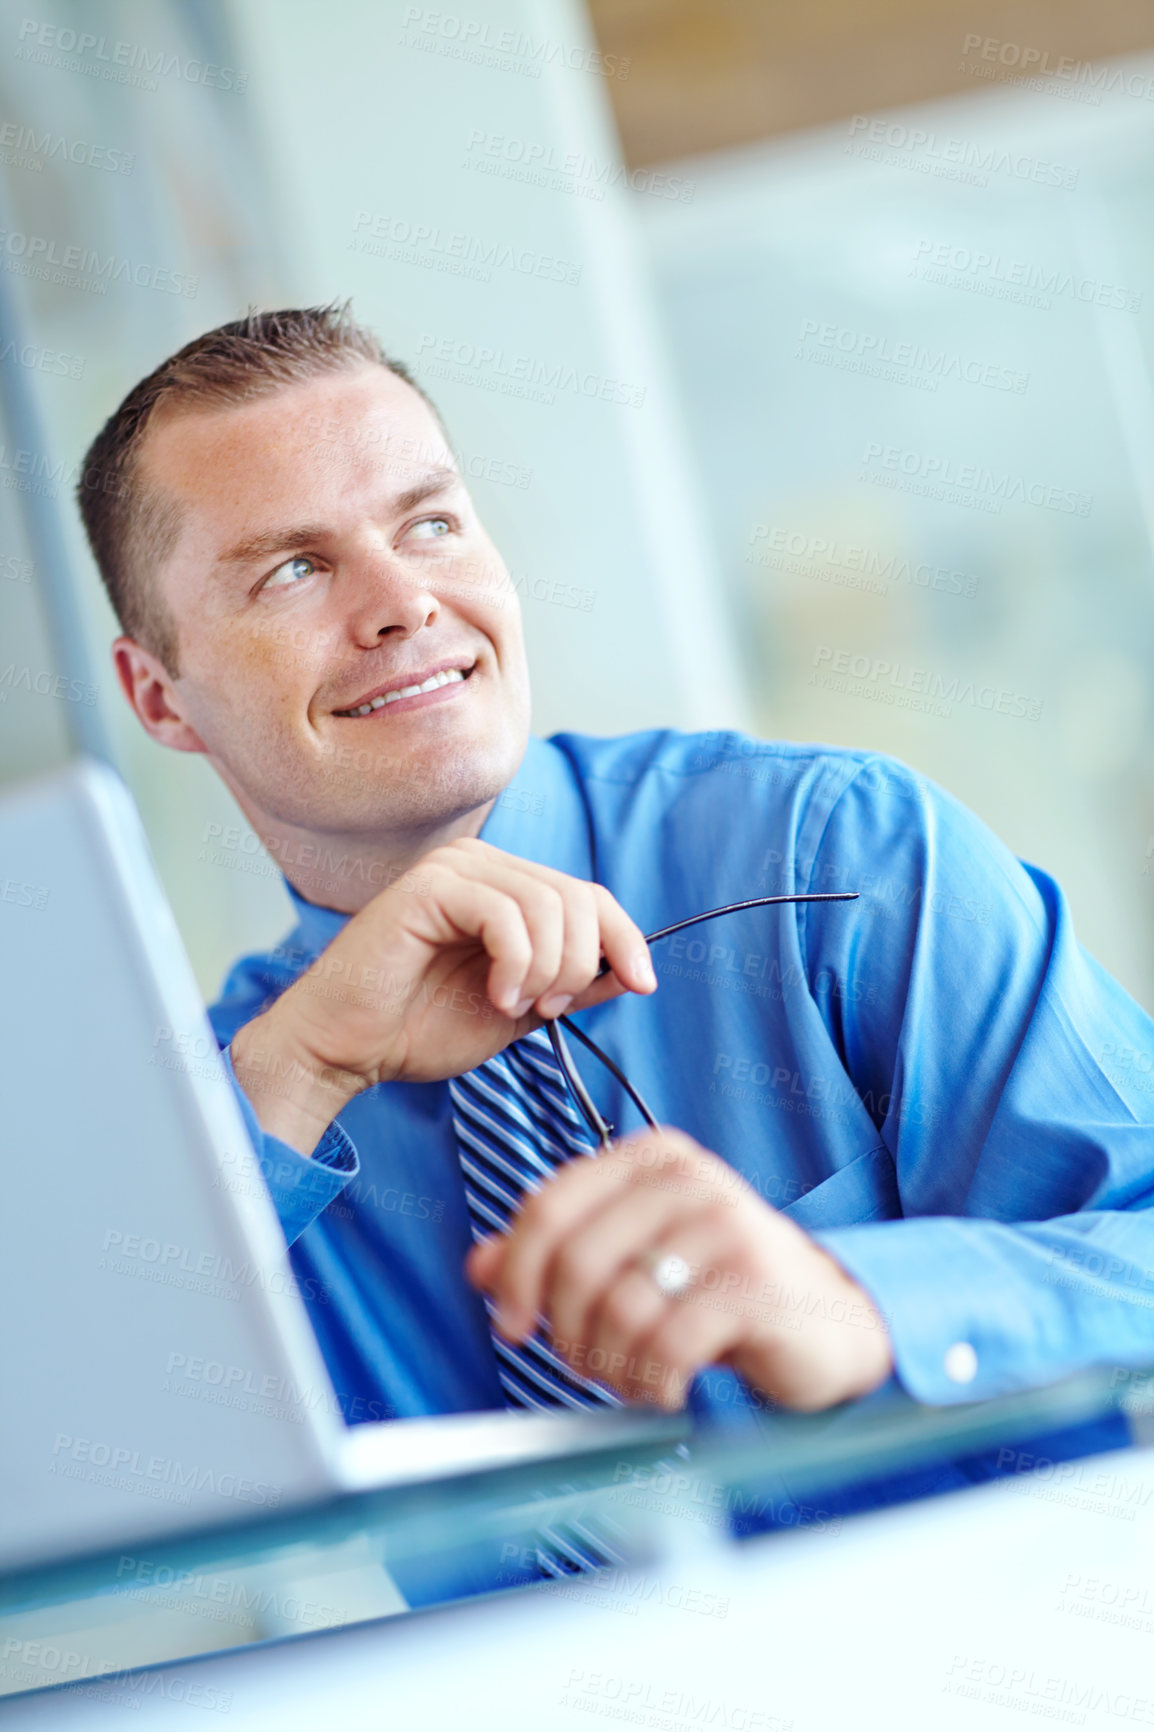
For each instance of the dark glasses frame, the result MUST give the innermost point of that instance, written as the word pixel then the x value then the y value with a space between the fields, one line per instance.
pixel 601 1128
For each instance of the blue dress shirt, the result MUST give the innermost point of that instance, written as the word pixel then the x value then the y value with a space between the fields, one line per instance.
pixel 936 1080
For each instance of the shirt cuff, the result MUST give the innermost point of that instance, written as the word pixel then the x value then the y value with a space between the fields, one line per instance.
pixel 300 1185
pixel 960 1327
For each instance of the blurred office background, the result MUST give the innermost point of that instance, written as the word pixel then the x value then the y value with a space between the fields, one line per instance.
pixel 881 273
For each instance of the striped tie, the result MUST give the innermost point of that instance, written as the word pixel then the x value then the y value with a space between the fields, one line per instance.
pixel 516 1125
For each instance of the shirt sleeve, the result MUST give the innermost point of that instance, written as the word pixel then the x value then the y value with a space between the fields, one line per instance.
pixel 1013 1084
pixel 300 1185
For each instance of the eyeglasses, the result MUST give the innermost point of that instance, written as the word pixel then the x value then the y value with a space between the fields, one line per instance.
pixel 600 1127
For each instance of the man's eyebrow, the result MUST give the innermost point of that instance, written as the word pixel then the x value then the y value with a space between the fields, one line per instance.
pixel 269 541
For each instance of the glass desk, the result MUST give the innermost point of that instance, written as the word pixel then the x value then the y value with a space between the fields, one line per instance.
pixel 662 1482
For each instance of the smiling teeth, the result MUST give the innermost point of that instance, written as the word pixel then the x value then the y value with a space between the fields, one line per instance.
pixel 442 679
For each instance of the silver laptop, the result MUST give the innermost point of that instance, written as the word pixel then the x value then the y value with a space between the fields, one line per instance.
pixel 157 1367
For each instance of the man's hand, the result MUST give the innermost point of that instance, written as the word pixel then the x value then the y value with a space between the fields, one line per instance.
pixel 468 951
pixel 764 1298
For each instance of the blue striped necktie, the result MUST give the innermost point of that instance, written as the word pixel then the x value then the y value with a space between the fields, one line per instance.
pixel 516 1124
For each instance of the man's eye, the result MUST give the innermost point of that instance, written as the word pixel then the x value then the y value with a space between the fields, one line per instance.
pixel 284 574
pixel 436 526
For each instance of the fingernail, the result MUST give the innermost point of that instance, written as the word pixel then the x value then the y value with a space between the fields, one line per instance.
pixel 556 1006
pixel 643 968
pixel 521 1007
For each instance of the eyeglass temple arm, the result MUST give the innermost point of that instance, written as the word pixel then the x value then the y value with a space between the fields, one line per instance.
pixel 732 908
pixel 561 1050
pixel 573 1076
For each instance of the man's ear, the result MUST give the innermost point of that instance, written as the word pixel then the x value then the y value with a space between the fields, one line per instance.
pixel 145 683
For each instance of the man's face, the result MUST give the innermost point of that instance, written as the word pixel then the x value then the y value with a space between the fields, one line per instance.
pixel 329 553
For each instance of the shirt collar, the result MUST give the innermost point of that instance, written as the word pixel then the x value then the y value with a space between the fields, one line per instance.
pixel 540 816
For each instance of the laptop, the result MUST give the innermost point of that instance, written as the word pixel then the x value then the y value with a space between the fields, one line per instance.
pixel 158 1368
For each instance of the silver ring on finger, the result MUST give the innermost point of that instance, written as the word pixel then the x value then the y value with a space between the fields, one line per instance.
pixel 669 1272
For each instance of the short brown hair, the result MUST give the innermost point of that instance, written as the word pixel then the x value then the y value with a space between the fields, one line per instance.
pixel 131 526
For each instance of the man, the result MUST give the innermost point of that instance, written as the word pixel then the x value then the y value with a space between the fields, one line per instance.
pixel 892 1144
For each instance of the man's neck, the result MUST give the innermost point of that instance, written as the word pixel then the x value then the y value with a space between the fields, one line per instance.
pixel 345 870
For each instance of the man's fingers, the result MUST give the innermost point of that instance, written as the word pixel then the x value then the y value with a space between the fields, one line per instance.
pixel 498 921
pixel 698 1327
pixel 653 1163
pixel 621 939
pixel 519 925
pixel 624 944
pixel 581 1189
pixel 627 1313
pixel 581 955
pixel 675 1161
pixel 590 1262
pixel 599 993
pixel 484 1261
pixel 543 911
pixel 570 921
pixel 481 930
pixel 683 1343
pixel 562 921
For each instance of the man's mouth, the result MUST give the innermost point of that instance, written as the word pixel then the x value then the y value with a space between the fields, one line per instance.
pixel 376 700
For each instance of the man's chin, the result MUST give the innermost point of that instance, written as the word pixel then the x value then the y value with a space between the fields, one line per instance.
pixel 418 793
pixel 359 785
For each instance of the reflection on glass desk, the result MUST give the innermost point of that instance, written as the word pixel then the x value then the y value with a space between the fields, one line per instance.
pixel 491 1485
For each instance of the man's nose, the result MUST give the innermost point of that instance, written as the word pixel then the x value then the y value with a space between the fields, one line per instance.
pixel 391 597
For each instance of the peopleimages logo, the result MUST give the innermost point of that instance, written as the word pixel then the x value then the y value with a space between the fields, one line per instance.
pixel 45 683
pixel 84 267
pixel 901 362
pixel 209 1272
pixel 928 152
pixel 518 375
pixel 1004 1684
pixel 88 1674
pixel 886 681
pixel 423 243
pixel 118 62
pixel 23 147
pixel 1041 63
pixel 40 360
pixel 476 40
pixel 822 558
pixel 1019 280
pixel 34 472
pixel 131 1469
pixel 965 483
pixel 570 171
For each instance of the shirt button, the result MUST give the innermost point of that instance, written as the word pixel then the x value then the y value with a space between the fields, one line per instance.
pixel 960 1363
